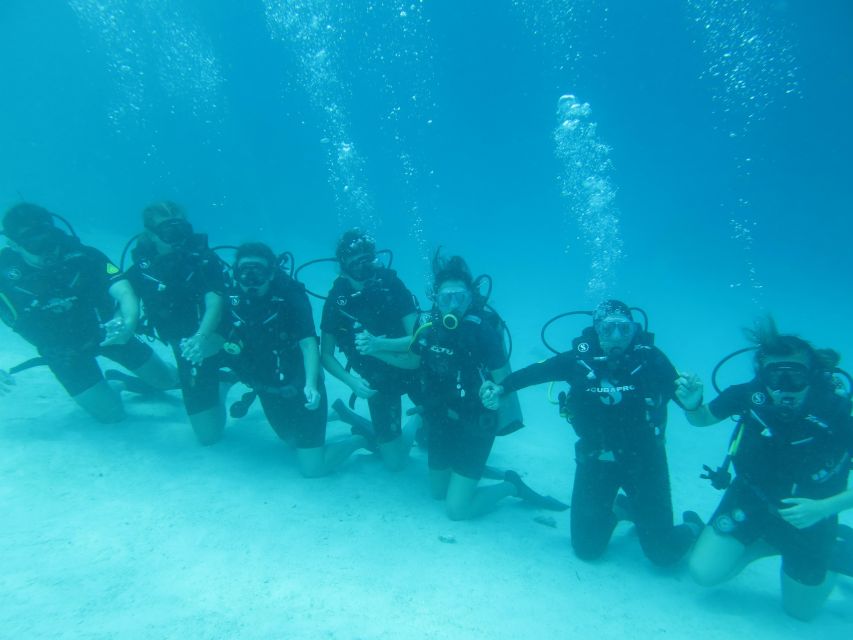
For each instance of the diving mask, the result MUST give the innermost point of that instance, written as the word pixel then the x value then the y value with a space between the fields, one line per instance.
pixel 790 377
pixel 40 240
pixel 361 267
pixel 251 275
pixel 616 329
pixel 173 231
pixel 452 303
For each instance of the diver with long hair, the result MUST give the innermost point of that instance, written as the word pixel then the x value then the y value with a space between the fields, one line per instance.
pixel 457 346
pixel 791 454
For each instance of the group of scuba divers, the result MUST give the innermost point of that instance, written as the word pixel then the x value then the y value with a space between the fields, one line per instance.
pixel 250 320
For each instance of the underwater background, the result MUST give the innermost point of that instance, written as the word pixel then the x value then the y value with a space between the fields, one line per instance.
pixel 719 130
pixel 690 157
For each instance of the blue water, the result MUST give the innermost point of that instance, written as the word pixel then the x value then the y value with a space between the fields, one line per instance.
pixel 726 124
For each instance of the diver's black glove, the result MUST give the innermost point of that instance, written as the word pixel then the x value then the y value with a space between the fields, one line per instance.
pixel 720 478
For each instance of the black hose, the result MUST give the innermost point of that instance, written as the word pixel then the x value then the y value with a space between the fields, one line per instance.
pixel 308 264
pixel 545 326
pixel 126 248
pixel 733 354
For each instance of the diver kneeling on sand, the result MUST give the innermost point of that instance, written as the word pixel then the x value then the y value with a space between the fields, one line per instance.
pixel 620 385
pixel 269 334
pixel 73 304
pixel 791 453
pixel 368 311
pixel 457 346
pixel 181 283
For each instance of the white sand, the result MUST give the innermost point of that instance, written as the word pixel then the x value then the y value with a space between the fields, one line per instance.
pixel 134 531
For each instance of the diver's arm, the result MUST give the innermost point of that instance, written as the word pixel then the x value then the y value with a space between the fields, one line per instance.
pixel 505 382
pixel 401 345
pixel 370 345
pixel 311 362
pixel 805 512
pixel 406 360
pixel 128 304
pixel 214 303
pixel 122 327
pixel 689 393
pixel 701 416
pixel 207 341
pixel 359 386
pixel 328 344
pixel 556 368
pixel 501 373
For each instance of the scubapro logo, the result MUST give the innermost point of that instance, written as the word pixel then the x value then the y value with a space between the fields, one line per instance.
pixel 627 387
pixel 341 301
pixel 758 398
pixel 583 347
pixel 145 264
pixel 13 274
pixel 609 393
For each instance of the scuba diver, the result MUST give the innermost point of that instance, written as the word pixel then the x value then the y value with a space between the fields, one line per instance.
pixel 369 310
pixel 269 333
pixel 791 453
pixel 73 304
pixel 620 385
pixel 457 347
pixel 181 283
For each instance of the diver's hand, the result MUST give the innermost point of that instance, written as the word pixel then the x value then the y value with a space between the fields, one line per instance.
pixel 803 512
pixel 199 347
pixel 689 390
pixel 490 395
pixel 312 398
pixel 368 344
pixel 6 382
pixel 361 388
pixel 116 332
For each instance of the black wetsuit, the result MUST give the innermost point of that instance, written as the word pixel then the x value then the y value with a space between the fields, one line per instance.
pixel 172 288
pixel 804 456
pixel 267 330
pixel 619 412
pixel 60 309
pixel 378 308
pixel 454 364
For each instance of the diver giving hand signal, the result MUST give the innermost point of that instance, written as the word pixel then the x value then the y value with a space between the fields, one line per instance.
pixel 689 390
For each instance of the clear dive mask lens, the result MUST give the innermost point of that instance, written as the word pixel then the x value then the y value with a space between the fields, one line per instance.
pixel 789 377
pixel 613 330
pixel 449 300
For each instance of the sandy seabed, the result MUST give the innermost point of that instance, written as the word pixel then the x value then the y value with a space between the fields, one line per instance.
pixel 134 531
